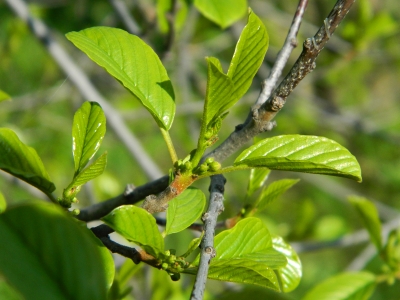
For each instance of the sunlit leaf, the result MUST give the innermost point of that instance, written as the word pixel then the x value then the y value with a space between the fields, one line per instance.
pixel 241 270
pixel 91 172
pixel 4 96
pixel 222 12
pixel 370 217
pixel 193 245
pixel 184 210
pixel 346 286
pixel 48 255
pixel 132 62
pixel 137 226
pixel 249 55
pixel 3 203
pixel 219 91
pixel 257 180
pixel 299 153
pixel 290 274
pixel 23 162
pixel 273 192
pixel 88 132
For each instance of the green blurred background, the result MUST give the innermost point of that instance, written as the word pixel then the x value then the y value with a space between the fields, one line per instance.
pixel 351 97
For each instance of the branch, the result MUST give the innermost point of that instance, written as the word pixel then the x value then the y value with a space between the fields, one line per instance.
pixel 86 88
pixel 215 207
pixel 267 106
pixel 130 196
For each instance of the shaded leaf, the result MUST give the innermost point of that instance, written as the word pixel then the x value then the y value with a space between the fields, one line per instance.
pixel 23 162
pixel 88 132
pixel 249 55
pixel 48 255
pixel 91 172
pixel 273 192
pixel 219 91
pixel 257 180
pixel 346 286
pixel 369 215
pixel 4 96
pixel 289 275
pixel 222 12
pixel 132 62
pixel 137 226
pixel 184 210
pixel 299 153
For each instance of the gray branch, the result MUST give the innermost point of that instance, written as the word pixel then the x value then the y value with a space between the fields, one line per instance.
pixel 215 207
pixel 123 12
pixel 86 88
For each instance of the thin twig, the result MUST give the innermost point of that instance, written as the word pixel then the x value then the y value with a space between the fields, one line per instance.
pixel 86 88
pixel 283 56
pixel 130 196
pixel 215 207
pixel 260 117
pixel 123 12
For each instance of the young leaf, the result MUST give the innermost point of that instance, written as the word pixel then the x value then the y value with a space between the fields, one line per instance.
pixel 4 96
pixel 289 275
pixel 257 180
pixel 133 63
pixel 88 131
pixel 23 162
pixel 370 217
pixel 193 245
pixel 248 236
pixel 219 91
pixel 137 226
pixel 300 153
pixel 184 210
pixel 3 203
pixel 48 255
pixel 243 271
pixel 346 286
pixel 273 192
pixel 249 55
pixel 222 12
pixel 91 172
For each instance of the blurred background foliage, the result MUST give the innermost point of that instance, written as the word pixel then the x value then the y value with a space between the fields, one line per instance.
pixel 351 97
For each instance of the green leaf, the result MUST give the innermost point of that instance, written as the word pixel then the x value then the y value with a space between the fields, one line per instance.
pixel 290 274
pixel 243 271
pixel 3 203
pixel 273 192
pixel 49 255
pixel 88 132
pixel 219 91
pixel 301 153
pixel 346 286
pixel 164 10
pixel 257 180
pixel 91 172
pixel 132 62
pixel 248 236
pixel 184 210
pixel 4 96
pixel 370 217
pixel 245 255
pixel 193 245
pixel 249 55
pixel 222 12
pixel 23 162
pixel 8 292
pixel 137 226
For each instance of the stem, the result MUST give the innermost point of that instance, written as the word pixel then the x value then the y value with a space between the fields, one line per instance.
pixel 170 145
pixel 52 198
pixel 225 170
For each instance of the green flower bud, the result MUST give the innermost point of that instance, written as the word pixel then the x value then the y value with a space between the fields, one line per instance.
pixel 164 266
pixel 214 166
pixel 209 160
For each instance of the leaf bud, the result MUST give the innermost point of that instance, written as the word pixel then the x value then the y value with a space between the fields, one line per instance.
pixel 214 166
